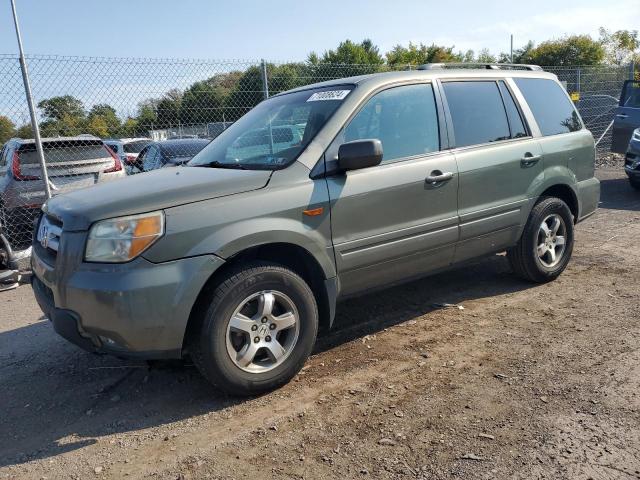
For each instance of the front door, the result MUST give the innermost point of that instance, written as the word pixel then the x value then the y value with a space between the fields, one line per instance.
pixel 627 117
pixel 398 219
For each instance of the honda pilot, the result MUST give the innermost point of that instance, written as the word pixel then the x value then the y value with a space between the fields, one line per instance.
pixel 239 258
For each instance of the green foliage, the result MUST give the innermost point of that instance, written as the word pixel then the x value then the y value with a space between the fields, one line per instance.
pixel 103 121
pixel 56 108
pixel 574 50
pixel 620 46
pixel 420 54
pixel 7 129
pixel 348 52
pixel 24 131
pixel 206 101
pixel 520 55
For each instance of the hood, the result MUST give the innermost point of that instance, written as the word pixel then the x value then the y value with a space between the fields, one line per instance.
pixel 150 191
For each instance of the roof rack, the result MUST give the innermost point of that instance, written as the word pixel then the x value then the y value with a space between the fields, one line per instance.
pixel 488 66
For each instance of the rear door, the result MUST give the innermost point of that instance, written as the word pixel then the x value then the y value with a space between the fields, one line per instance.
pixel 389 222
pixel 498 162
pixel 627 117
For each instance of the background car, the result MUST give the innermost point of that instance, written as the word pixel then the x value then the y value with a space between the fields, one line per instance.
pixel 168 153
pixel 258 142
pixel 127 148
pixel 632 160
pixel 627 117
pixel 73 163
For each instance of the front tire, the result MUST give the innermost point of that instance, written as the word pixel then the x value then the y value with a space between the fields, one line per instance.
pixel 255 330
pixel 546 244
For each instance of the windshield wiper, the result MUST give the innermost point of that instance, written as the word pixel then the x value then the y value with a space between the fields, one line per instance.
pixel 218 164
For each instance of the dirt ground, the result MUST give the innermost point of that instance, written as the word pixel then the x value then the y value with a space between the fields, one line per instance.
pixel 527 381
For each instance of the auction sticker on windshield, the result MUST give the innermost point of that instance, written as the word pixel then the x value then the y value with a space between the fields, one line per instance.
pixel 328 95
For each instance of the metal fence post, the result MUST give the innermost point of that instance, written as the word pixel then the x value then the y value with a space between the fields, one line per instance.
pixel 632 70
pixel 32 111
pixel 578 88
pixel 265 80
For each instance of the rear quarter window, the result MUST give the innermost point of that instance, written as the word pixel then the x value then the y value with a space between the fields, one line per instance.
pixel 553 110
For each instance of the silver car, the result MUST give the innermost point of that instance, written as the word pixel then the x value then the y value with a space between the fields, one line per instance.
pixel 73 163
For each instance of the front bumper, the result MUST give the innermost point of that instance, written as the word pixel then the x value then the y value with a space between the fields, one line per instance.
pixel 137 309
pixel 632 160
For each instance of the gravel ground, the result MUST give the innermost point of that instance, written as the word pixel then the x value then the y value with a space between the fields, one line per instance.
pixel 526 381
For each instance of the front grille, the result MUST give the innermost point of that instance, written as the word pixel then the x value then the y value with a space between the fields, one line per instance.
pixel 49 234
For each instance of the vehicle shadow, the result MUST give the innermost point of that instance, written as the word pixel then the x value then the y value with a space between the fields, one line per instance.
pixel 56 398
pixel 617 194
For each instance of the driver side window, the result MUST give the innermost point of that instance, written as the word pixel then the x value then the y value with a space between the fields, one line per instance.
pixel 403 118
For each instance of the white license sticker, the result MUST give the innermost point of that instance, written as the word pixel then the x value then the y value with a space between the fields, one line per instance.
pixel 328 95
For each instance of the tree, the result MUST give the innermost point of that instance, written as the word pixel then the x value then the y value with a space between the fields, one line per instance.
pixel 421 54
pixel 147 118
pixel 168 109
pixel 56 108
pixel 574 50
pixel 206 101
pixel 485 57
pixel 24 131
pixel 350 53
pixel 103 118
pixel 620 46
pixel 7 129
pixel 520 55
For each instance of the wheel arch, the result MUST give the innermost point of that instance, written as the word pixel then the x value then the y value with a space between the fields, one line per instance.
pixel 289 255
pixel 565 193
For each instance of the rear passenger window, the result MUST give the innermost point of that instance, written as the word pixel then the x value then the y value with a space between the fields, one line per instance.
pixel 404 119
pixel 516 124
pixel 477 112
pixel 551 107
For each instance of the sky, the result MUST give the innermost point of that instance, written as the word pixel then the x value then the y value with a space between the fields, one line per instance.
pixel 286 30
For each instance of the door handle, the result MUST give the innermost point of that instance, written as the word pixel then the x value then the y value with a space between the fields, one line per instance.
pixel 529 160
pixel 437 176
pixel 622 115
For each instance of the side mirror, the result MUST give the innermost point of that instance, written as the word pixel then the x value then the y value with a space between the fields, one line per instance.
pixel 359 154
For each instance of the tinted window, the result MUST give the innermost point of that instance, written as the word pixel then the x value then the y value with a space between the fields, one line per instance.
pixel 135 147
pixel 631 95
pixel 404 119
pixel 182 148
pixel 551 107
pixel 513 114
pixel 477 112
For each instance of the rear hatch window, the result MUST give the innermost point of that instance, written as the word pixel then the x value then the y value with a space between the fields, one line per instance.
pixel 68 158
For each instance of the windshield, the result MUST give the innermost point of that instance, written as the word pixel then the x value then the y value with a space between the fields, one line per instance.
pixel 275 132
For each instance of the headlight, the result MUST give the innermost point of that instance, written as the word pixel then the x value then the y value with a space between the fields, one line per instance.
pixel 636 135
pixel 118 240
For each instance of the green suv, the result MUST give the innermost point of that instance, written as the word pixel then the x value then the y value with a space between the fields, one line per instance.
pixel 239 258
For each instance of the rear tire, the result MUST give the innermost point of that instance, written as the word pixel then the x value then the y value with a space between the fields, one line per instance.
pixel 546 244
pixel 255 329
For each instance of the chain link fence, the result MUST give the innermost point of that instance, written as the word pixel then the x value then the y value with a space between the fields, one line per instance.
pixel 102 118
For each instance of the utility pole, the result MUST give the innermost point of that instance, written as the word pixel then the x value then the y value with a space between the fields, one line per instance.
pixel 512 48
pixel 32 110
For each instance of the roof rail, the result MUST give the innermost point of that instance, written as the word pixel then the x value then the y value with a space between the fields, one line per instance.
pixel 488 66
